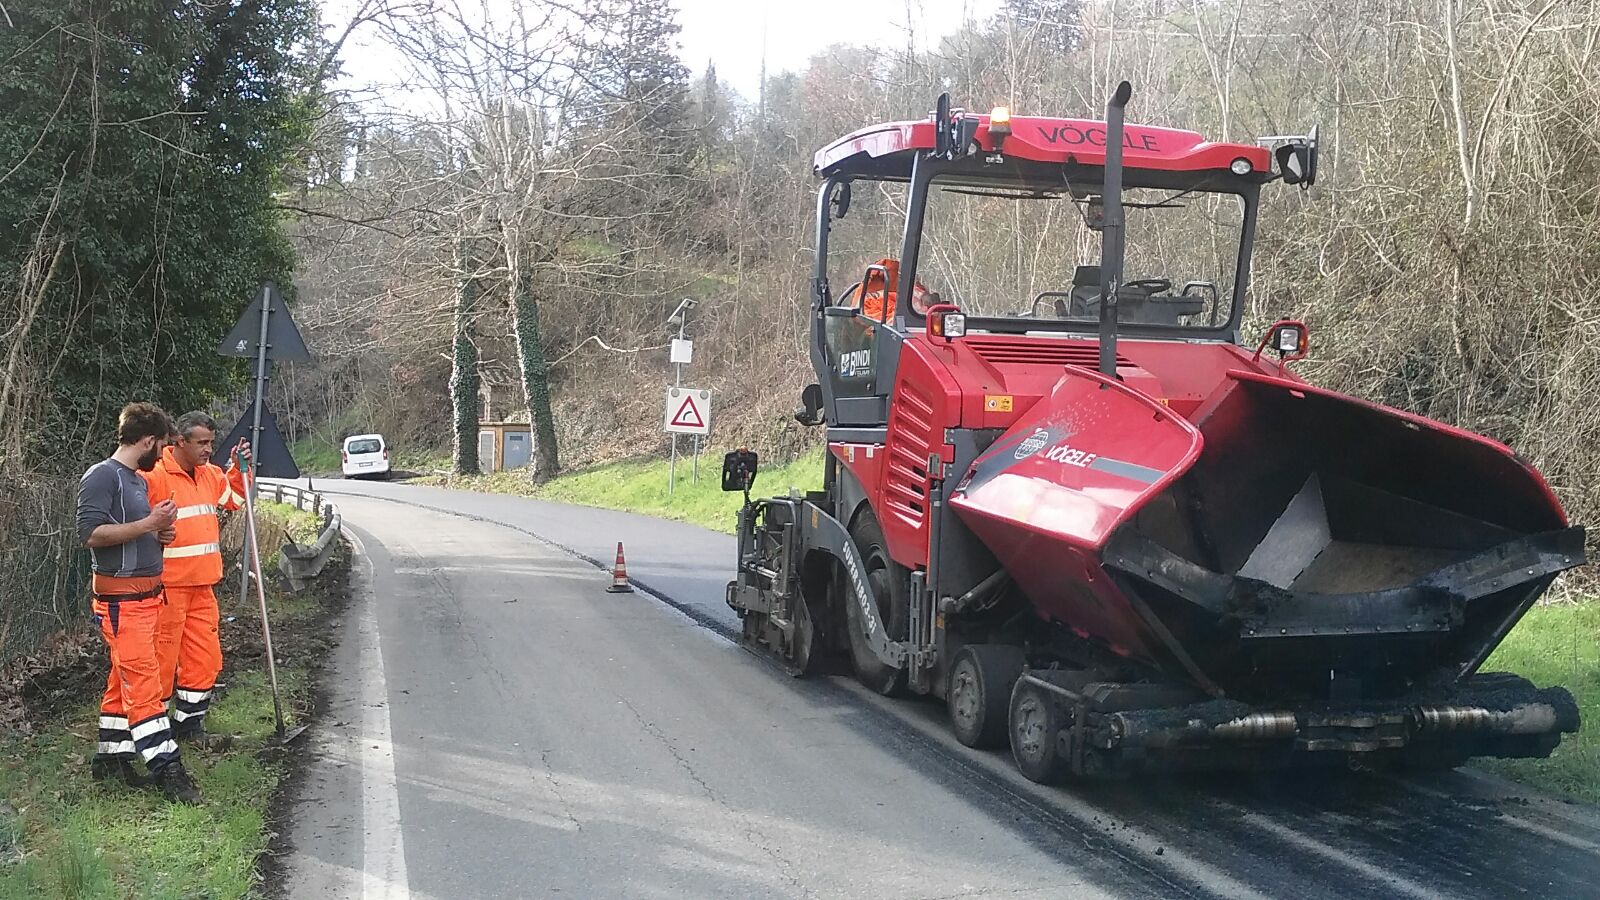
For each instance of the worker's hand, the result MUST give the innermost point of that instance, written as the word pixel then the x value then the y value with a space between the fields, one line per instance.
pixel 242 451
pixel 167 535
pixel 162 515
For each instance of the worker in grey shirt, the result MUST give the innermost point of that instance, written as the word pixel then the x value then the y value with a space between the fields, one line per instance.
pixel 124 533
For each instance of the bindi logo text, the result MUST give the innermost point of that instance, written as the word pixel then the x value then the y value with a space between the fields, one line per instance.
pixel 1095 136
pixel 855 363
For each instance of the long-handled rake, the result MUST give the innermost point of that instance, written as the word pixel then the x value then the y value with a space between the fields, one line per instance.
pixel 285 735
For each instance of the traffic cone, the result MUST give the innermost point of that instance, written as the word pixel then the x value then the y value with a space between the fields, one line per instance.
pixel 619 575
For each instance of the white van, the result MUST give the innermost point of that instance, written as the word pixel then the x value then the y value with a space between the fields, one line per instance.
pixel 365 455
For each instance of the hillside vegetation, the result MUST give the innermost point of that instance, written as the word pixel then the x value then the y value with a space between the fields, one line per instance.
pixel 1445 261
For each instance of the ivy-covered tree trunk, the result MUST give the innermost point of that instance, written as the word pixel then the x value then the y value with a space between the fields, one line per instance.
pixel 464 378
pixel 535 374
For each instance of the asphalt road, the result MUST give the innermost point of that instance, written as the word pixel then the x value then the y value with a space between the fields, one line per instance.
pixel 500 726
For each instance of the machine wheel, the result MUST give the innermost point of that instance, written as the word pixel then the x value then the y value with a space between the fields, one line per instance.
pixel 888 582
pixel 981 680
pixel 1034 722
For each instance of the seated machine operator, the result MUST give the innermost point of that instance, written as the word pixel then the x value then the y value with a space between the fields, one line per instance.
pixel 876 295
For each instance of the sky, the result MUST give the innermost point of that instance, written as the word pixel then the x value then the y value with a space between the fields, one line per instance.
pixel 729 33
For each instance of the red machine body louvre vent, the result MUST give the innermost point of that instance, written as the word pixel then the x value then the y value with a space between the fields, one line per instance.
pixel 1008 350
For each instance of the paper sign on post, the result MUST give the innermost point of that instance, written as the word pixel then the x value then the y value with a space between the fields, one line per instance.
pixel 688 411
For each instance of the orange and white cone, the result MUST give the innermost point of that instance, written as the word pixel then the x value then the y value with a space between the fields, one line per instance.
pixel 619 575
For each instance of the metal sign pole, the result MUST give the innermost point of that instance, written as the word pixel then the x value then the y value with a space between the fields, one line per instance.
pixel 677 381
pixel 255 444
pixel 261 370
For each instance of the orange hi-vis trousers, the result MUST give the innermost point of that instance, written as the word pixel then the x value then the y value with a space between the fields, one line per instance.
pixel 133 716
pixel 189 646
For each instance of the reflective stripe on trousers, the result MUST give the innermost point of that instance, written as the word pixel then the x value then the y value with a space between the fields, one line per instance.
pixel 153 739
pixel 114 739
pixel 188 705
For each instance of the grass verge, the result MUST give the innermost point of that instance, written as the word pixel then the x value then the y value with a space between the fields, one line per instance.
pixel 1557 643
pixel 62 835
pixel 641 486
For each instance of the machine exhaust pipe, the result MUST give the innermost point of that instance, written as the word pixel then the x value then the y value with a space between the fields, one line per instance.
pixel 1527 718
pixel 1112 238
pixel 1160 728
pixel 1169 728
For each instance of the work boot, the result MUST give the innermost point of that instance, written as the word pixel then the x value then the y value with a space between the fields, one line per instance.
pixel 116 768
pixel 199 738
pixel 174 781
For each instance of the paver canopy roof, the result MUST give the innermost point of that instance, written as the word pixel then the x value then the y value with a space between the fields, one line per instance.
pixel 887 150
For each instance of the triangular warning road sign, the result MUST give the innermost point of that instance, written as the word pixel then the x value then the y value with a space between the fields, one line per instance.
pixel 688 411
pixel 272 458
pixel 688 415
pixel 283 339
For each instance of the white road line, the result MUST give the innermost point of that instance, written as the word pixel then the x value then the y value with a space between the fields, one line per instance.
pixel 383 852
pixel 1395 883
pixel 1548 833
pixel 1494 791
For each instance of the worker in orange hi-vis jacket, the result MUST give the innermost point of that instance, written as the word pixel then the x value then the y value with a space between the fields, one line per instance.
pixel 124 532
pixel 188 644
pixel 877 298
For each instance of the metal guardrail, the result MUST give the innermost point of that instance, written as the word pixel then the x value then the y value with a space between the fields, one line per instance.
pixel 298 564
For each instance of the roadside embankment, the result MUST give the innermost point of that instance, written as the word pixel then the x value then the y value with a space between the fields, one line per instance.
pixel 64 835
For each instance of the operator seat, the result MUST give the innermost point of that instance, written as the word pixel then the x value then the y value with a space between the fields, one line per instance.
pixel 1085 294
pixel 1136 304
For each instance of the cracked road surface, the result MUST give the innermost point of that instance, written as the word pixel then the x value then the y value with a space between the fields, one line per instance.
pixel 500 726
